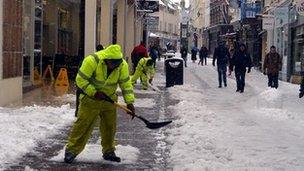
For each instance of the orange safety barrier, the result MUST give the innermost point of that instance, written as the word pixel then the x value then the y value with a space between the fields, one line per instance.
pixel 48 78
pixel 62 82
pixel 37 78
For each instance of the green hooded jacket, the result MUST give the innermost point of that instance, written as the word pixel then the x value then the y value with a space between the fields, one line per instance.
pixel 92 75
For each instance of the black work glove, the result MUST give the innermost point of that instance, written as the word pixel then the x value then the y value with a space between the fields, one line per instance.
pixel 213 63
pixel 100 95
pixel 150 81
pixel 131 107
pixel 249 70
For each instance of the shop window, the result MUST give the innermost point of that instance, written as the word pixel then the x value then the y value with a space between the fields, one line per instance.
pixel 64 35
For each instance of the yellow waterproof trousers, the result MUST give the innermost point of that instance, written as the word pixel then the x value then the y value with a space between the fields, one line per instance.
pixel 89 111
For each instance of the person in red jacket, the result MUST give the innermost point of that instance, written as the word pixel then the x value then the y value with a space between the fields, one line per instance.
pixel 138 52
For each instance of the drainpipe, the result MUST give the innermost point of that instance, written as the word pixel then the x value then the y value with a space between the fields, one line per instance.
pixel 125 27
pixel 111 20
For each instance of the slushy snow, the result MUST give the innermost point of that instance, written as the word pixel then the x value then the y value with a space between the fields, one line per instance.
pixel 92 153
pixel 22 128
pixel 219 129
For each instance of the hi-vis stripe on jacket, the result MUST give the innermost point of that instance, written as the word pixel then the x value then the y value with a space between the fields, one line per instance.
pixel 92 75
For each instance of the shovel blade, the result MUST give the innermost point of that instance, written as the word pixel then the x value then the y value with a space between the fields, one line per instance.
pixel 156 125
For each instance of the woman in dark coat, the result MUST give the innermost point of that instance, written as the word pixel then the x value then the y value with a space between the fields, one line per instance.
pixel 193 54
pixel 239 62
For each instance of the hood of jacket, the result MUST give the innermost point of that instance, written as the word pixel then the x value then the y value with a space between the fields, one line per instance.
pixel 111 52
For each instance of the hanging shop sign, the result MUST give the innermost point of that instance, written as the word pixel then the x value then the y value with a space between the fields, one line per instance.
pixel 268 23
pixel 250 9
pixel 148 5
pixel 151 22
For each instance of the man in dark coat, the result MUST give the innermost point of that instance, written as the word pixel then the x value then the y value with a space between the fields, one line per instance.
pixel 221 56
pixel 184 54
pixel 138 52
pixel 302 86
pixel 203 54
pixel 272 66
pixel 239 62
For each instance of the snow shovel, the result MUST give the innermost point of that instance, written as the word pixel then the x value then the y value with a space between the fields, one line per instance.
pixel 154 88
pixel 150 125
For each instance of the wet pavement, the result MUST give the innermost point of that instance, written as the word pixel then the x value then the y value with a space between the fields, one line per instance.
pixel 154 150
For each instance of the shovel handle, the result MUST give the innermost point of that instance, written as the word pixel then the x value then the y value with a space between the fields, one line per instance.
pixel 124 108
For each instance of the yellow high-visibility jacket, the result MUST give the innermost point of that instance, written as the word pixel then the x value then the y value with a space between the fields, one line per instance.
pixel 92 75
pixel 143 71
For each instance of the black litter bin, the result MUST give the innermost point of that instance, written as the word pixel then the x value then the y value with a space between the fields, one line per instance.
pixel 174 68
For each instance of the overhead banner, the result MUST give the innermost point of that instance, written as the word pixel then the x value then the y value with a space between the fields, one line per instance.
pixel 281 16
pixel 148 5
pixel 268 23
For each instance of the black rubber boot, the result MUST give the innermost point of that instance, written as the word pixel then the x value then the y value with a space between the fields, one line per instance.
pixel 69 157
pixel 111 156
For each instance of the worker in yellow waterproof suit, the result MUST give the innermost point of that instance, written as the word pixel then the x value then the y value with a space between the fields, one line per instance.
pixel 98 77
pixel 145 71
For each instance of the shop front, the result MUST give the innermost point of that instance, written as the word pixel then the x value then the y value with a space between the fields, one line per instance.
pixel 53 35
pixel 297 64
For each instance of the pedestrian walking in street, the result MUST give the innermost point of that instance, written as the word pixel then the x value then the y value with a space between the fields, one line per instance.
pixel 203 54
pixel 221 56
pixel 184 54
pixel 153 52
pixel 193 54
pixel 78 90
pixel 239 62
pixel 145 71
pixel 272 66
pixel 138 52
pixel 301 94
pixel 98 78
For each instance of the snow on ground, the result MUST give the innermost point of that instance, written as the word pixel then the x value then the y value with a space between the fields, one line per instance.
pixel 71 98
pixel 219 129
pixel 22 128
pixel 141 102
pixel 92 153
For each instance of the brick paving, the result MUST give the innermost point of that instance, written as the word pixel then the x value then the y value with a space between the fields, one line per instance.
pixel 152 146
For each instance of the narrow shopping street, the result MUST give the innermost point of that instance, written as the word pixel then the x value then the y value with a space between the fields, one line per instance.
pixel 212 129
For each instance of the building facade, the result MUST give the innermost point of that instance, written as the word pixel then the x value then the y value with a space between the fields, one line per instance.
pixel 60 33
pixel 167 32
pixel 286 34
pixel 10 50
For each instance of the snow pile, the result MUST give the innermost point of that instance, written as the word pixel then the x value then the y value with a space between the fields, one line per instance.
pixel 270 103
pixel 193 137
pixel 92 153
pixel 22 128
pixel 270 98
pixel 66 98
